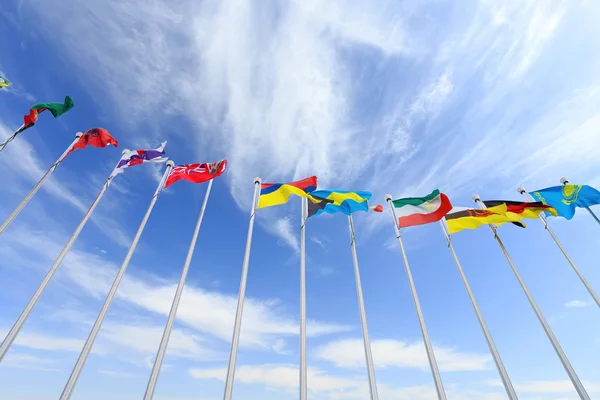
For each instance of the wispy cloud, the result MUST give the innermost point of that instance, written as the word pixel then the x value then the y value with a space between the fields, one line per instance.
pixel 577 304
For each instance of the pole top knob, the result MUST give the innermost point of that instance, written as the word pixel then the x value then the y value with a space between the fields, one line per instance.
pixel 170 163
pixel 476 198
pixel 388 197
pixel 79 134
pixel 564 180
pixel 257 180
pixel 521 189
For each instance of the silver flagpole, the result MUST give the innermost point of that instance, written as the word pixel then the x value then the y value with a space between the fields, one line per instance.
pixel 14 331
pixel 70 385
pixel 37 186
pixel 303 382
pixel 587 285
pixel 162 349
pixel 235 341
pixel 559 351
pixel 510 390
pixel 437 379
pixel 363 314
pixel 12 137
pixel 564 181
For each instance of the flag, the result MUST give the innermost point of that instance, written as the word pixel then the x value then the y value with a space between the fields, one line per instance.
pixel 97 137
pixel 274 194
pixel 4 82
pixel 334 201
pixel 564 199
pixel 196 173
pixel 137 157
pixel 413 211
pixel 474 218
pixel 522 210
pixel 57 109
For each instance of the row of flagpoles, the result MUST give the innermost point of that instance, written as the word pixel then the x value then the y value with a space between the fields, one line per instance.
pixel 413 211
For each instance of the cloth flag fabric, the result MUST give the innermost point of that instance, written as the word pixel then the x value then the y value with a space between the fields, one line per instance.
pixel 334 201
pixel 137 157
pixel 474 218
pixel 196 173
pixel 56 109
pixel 413 211
pixel 565 199
pixel 520 209
pixel 274 194
pixel 97 137
pixel 4 82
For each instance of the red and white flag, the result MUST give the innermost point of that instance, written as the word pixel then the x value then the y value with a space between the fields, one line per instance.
pixel 196 173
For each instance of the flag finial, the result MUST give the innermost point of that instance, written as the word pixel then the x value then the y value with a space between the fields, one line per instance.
pixel 170 163
pixel 564 180
pixel 388 197
pixel 476 197
pixel 521 190
pixel 257 180
pixel 79 134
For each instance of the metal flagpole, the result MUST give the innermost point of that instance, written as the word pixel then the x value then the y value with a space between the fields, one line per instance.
pixel 559 351
pixel 587 285
pixel 162 349
pixel 14 331
pixel 564 181
pixel 70 385
pixel 437 379
pixel 38 185
pixel 12 137
pixel 303 382
pixel 363 314
pixel 235 341
pixel 510 390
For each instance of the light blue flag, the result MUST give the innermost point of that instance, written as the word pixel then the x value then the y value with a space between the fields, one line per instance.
pixel 334 201
pixel 568 197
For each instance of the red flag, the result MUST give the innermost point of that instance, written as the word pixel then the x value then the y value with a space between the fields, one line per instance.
pixel 196 173
pixel 97 137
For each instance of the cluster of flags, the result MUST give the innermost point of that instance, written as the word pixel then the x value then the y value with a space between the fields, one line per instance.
pixel 558 201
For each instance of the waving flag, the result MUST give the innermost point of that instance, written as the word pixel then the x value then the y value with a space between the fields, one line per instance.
pixel 274 194
pixel 334 201
pixel 137 157
pixel 196 173
pixel 521 209
pixel 56 109
pixel 413 211
pixel 97 137
pixel 474 218
pixel 564 199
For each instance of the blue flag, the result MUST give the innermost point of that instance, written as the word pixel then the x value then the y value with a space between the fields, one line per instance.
pixel 566 198
pixel 334 201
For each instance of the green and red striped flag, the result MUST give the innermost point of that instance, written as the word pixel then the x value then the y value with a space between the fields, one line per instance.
pixel 413 211
pixel 56 109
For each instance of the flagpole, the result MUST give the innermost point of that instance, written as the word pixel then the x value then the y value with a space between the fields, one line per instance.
pixel 70 385
pixel 38 185
pixel 437 379
pixel 585 282
pixel 510 390
pixel 303 381
pixel 559 351
pixel 162 349
pixel 235 341
pixel 14 331
pixel 363 315
pixel 12 137
pixel 564 181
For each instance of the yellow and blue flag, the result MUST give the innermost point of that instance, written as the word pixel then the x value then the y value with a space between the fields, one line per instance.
pixel 564 199
pixel 274 194
pixel 334 201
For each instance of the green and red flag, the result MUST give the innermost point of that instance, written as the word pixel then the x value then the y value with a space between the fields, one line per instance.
pixel 56 109
pixel 413 211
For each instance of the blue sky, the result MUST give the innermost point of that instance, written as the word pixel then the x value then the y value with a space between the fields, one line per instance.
pixel 391 97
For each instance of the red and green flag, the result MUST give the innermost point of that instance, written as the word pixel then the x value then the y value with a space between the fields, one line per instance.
pixel 413 211
pixel 56 109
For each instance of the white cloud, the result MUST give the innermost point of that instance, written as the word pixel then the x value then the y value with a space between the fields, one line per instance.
pixel 549 387
pixel 577 304
pixel 284 229
pixel 349 353
pixel 28 361
pixel 316 240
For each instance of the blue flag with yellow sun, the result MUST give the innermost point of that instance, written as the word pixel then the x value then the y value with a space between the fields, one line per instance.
pixel 564 199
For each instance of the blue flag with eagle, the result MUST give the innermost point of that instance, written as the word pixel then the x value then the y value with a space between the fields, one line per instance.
pixel 564 199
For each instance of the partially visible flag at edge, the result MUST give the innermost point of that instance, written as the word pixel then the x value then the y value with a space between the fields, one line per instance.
pixel 564 199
